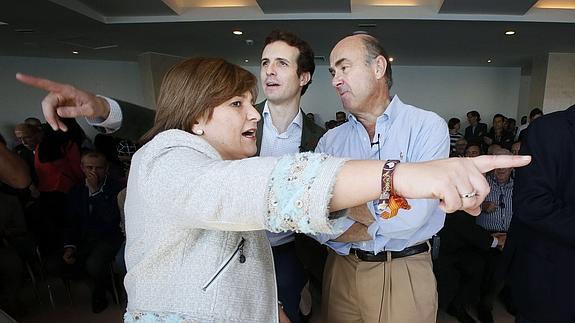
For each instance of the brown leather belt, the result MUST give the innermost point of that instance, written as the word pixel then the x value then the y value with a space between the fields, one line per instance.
pixel 383 255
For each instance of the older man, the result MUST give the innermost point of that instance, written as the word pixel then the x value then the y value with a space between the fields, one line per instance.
pixel 380 270
pixel 92 234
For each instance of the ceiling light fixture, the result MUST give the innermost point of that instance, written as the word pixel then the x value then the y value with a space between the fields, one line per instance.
pixel 510 32
pixel 246 60
pixel 75 52
pixel 489 61
pixel 390 59
pixel 238 32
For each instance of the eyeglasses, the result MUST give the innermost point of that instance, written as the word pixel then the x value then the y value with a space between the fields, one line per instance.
pixel 501 202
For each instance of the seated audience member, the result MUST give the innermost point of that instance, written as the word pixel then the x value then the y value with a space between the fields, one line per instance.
pixel 13 174
pixel 516 147
pixel 473 150
pixel 511 126
pixel 13 170
pixel 311 116
pixel 29 137
pixel 57 164
pixel 330 124
pixel 120 262
pixel 533 114
pixel 340 118
pixel 460 265
pixel 495 217
pixel 523 120
pixel 460 146
pixel 34 122
pixel 92 235
pixel 126 149
pixel 476 130
pixel 492 148
pixel 454 124
pixel 498 135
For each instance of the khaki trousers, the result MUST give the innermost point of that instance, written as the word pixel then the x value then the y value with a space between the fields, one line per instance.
pixel 397 291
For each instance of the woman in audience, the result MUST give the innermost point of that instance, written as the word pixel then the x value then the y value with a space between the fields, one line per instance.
pixel 196 205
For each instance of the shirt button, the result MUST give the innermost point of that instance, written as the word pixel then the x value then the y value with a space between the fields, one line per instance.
pixel 299 204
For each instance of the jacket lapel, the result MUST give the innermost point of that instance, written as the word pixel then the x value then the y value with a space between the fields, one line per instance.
pixel 260 129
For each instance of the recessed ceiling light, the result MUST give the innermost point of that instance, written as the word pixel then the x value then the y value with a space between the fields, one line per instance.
pixel 390 59
pixel 489 61
pixel 246 60
pixel 510 32
pixel 238 32
pixel 75 52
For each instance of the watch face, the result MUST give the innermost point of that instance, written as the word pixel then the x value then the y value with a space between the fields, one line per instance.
pixel 390 164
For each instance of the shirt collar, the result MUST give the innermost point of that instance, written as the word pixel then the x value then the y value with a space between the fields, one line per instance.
pixel 298 120
pixel 390 112
pixel 99 190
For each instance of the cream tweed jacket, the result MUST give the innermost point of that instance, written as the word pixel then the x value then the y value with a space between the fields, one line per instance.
pixel 195 249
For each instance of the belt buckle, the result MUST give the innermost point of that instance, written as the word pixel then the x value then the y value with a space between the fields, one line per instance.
pixel 355 254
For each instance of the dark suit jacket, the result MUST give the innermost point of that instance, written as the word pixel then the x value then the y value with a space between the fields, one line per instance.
pixel 477 135
pixel 136 121
pixel 542 232
pixel 95 218
pixel 460 233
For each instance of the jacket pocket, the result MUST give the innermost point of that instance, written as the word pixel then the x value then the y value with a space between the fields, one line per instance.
pixel 227 263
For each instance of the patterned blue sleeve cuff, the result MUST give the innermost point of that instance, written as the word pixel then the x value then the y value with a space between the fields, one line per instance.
pixel 299 192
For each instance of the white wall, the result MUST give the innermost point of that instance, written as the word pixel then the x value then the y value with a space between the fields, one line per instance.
pixel 114 78
pixel 559 88
pixel 449 91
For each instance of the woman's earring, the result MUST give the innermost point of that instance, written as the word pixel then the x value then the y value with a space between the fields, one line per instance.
pixel 198 132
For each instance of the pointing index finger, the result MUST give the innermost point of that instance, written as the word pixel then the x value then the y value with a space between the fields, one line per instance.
pixel 488 163
pixel 41 83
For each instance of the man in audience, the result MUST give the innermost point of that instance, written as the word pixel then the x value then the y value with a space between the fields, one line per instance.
pixel 460 265
pixel 14 174
pixel 476 130
pixel 516 147
pixel 495 217
pixel 29 137
pixel 473 150
pixel 376 260
pixel 533 114
pixel 340 117
pixel 93 233
pixel 459 150
pixel 454 124
pixel 498 135
pixel 541 244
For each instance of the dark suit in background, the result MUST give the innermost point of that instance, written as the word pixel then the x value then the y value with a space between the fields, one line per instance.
pixel 476 135
pixel 460 265
pixel 541 247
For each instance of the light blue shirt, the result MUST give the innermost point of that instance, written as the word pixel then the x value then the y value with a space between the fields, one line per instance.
pixel 275 144
pixel 408 134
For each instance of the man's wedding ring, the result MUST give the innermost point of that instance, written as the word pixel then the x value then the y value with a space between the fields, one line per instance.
pixel 468 195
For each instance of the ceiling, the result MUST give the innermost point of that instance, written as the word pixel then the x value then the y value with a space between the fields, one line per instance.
pixel 414 32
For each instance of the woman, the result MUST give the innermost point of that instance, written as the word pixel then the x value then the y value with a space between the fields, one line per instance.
pixel 196 206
